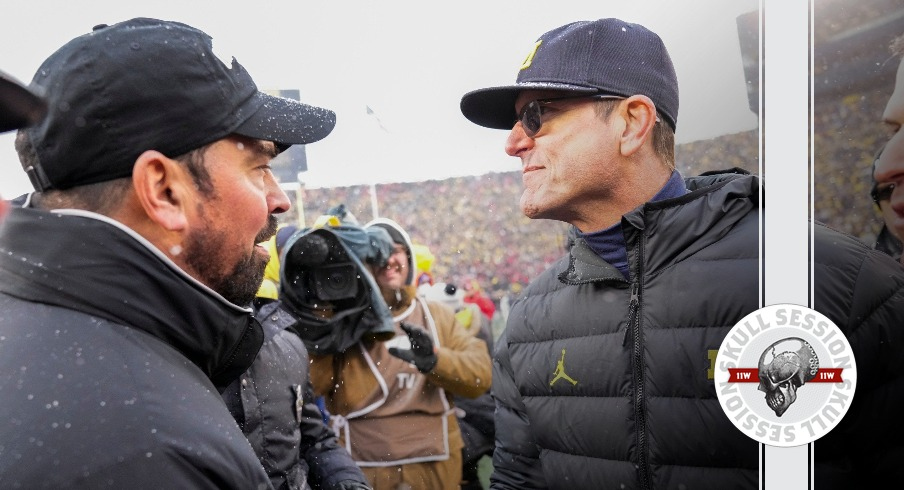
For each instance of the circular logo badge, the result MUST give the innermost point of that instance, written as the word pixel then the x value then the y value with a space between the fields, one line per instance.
pixel 785 375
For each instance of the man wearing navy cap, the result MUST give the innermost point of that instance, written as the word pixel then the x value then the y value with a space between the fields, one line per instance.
pixel 601 376
pixel 126 278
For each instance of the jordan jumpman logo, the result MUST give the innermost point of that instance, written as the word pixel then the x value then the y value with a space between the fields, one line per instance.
pixel 560 372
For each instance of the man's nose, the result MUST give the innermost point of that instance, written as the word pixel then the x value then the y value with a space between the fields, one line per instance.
pixel 277 199
pixel 518 141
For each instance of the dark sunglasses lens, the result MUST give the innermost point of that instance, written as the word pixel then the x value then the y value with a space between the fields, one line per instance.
pixel 883 193
pixel 530 118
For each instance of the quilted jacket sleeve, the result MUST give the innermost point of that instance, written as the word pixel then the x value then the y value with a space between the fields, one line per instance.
pixel 516 460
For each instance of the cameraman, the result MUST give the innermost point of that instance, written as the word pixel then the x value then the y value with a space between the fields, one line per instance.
pixel 388 400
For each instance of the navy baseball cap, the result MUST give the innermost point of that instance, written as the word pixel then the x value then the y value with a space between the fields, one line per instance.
pixel 19 106
pixel 605 56
pixel 148 84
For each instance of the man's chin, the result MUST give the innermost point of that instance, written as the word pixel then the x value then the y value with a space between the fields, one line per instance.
pixel 398 299
pixel 245 282
pixel 898 231
pixel 529 207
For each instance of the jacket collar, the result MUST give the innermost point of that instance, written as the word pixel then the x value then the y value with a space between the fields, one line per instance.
pixel 677 227
pixel 86 262
pixel 585 266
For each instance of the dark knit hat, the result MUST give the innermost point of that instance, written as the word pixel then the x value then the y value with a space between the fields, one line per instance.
pixel 605 56
pixel 148 84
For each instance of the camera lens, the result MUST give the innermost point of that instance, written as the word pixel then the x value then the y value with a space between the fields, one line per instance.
pixel 336 281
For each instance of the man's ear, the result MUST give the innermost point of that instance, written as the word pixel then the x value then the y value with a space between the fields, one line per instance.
pixel 161 186
pixel 639 113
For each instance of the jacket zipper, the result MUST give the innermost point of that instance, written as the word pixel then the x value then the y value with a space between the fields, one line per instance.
pixel 640 417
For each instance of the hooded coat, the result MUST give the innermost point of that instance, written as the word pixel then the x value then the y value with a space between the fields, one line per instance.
pixel 111 361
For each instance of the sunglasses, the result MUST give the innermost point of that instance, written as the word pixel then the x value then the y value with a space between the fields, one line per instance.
pixel 883 193
pixel 531 115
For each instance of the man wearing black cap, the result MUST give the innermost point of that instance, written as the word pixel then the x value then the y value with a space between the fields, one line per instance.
pixel 125 280
pixel 600 377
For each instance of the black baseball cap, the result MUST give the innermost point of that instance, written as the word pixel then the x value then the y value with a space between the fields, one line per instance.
pixel 19 106
pixel 605 56
pixel 149 84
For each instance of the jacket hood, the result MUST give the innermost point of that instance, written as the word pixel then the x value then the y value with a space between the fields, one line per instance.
pixel 89 263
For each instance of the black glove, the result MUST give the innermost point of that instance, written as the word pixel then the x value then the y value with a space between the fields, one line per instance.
pixel 352 485
pixel 421 353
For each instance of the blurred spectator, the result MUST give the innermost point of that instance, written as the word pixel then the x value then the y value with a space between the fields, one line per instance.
pixel 423 261
pixel 269 289
pixel 474 294
pixel 388 400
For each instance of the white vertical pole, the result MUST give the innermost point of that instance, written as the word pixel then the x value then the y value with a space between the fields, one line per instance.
pixel 786 171
pixel 373 201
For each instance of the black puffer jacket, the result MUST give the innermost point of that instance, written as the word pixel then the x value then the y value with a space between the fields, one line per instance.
pixel 603 383
pixel 107 353
pixel 862 291
pixel 477 429
pixel 274 404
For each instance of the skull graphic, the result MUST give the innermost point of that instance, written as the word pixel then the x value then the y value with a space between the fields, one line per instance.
pixel 783 368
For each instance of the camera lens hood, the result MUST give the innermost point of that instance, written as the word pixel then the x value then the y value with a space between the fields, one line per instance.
pixel 329 290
